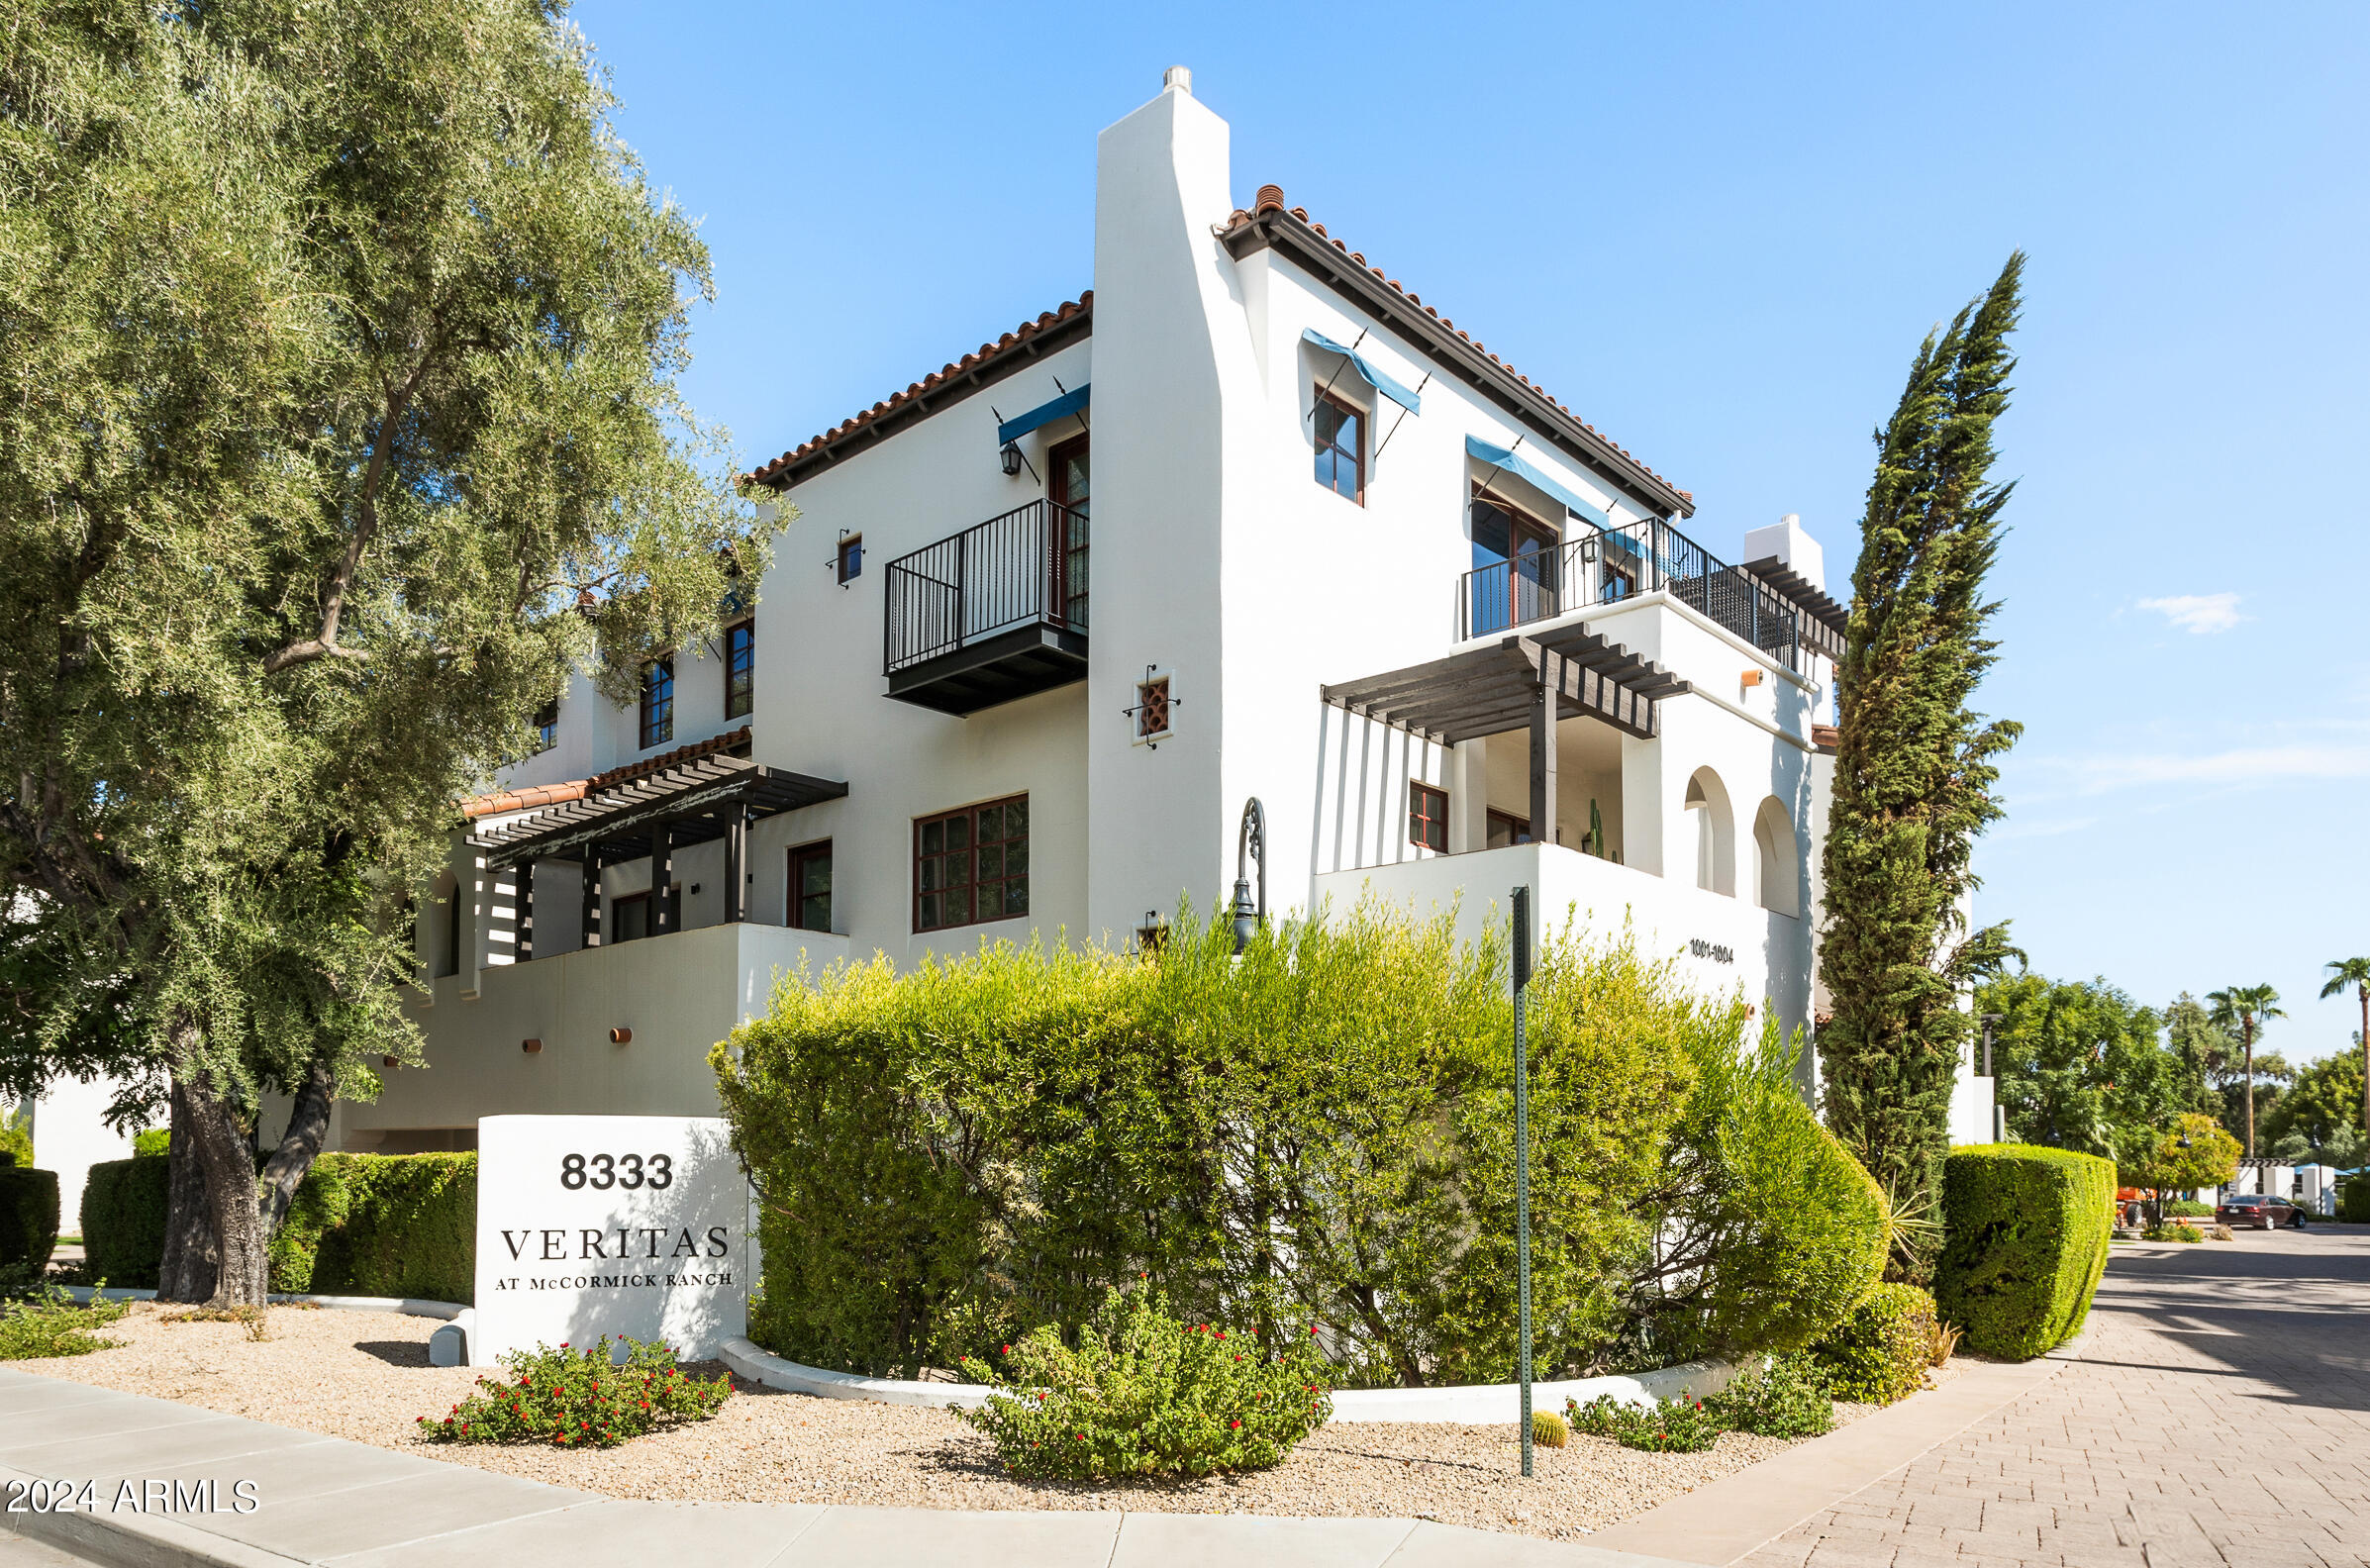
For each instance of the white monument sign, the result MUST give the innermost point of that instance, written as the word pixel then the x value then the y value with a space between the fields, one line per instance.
pixel 609 1225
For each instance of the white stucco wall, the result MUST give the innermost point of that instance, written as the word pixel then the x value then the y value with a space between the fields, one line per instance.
pixel 70 1134
pixel 1217 559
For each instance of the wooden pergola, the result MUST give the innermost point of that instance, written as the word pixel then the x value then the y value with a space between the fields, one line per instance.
pixel 1523 681
pixel 712 797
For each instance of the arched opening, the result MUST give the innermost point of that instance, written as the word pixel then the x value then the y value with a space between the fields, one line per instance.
pixel 1713 830
pixel 1778 858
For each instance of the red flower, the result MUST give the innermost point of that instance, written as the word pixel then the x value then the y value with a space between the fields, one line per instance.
pixel 1222 1333
pixel 1234 1424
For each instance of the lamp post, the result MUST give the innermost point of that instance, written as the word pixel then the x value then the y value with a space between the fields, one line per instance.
pixel 1250 844
pixel 1999 1111
pixel 1521 1099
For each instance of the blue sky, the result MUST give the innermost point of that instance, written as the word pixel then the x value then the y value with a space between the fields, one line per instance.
pixel 1717 233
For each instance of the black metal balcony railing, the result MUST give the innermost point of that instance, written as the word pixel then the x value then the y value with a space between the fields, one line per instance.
pixel 1026 569
pixel 1604 567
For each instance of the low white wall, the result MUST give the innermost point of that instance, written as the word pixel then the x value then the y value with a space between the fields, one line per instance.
pixel 680 994
pixel 1478 1405
pixel 1675 921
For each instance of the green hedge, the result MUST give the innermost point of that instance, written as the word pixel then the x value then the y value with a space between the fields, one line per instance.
pixel 123 1219
pixel 381 1225
pixel 361 1225
pixel 1320 1131
pixel 1880 1353
pixel 2025 1237
pixel 28 1216
pixel 2353 1199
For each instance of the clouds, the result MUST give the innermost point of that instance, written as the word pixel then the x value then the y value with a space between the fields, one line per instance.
pixel 2200 614
pixel 2275 754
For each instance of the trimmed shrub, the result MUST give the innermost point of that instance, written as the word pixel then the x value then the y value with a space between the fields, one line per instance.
pixel 2353 1199
pixel 2188 1209
pixel 123 1219
pixel 1880 1353
pixel 2025 1237
pixel 1680 1425
pixel 1320 1131
pixel 579 1398
pixel 1147 1394
pixel 359 1224
pixel 28 1218
pixel 1788 1397
pixel 382 1225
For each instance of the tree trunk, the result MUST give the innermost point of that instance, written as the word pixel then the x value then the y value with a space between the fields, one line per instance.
pixel 187 1273
pixel 2248 1035
pixel 224 1152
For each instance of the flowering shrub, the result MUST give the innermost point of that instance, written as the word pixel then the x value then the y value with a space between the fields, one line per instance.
pixel 1680 1425
pixel 1147 1395
pixel 578 1399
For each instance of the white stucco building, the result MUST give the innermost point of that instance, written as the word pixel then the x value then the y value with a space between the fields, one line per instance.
pixel 1247 520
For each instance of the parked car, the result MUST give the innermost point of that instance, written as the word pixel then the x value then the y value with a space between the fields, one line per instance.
pixel 2258 1213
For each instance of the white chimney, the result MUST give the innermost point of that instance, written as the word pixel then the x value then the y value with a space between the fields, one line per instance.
pixel 1178 76
pixel 1795 549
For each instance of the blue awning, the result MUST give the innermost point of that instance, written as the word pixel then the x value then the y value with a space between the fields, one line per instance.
pixel 1505 458
pixel 1398 392
pixel 1011 430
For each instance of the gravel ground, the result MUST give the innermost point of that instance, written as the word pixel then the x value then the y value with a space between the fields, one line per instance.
pixel 365 1376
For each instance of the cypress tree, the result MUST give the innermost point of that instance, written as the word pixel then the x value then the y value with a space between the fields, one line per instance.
pixel 1915 769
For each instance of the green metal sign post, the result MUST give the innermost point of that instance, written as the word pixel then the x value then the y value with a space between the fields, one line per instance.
pixel 1521 1090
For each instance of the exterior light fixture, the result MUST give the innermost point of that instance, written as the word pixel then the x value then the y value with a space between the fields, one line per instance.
pixel 1009 455
pixel 621 1036
pixel 1250 842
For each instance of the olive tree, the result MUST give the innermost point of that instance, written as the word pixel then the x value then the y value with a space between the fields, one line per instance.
pixel 337 424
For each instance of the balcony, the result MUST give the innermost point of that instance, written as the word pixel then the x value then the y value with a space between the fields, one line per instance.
pixel 1602 566
pixel 995 612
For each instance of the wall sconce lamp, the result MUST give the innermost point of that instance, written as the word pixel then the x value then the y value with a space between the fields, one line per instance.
pixel 1008 455
pixel 1751 677
pixel 1152 934
pixel 621 1036
pixel 531 1047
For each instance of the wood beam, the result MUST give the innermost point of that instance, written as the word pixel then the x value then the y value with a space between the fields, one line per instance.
pixel 1543 715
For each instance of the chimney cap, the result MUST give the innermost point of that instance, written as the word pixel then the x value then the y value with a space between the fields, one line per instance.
pixel 1178 76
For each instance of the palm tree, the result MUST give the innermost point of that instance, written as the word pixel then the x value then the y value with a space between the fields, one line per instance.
pixel 2244 1008
pixel 2355 972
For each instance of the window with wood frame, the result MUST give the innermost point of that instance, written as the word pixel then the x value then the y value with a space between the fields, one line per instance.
pixel 1504 829
pixel 631 914
pixel 811 887
pixel 850 559
pixel 1341 448
pixel 741 668
pixel 657 702
pixel 971 865
pixel 1427 817
pixel 547 726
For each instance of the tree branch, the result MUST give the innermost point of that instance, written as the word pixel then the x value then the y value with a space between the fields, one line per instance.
pixel 324 643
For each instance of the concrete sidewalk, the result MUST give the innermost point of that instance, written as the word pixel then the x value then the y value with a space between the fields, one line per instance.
pixel 172 1486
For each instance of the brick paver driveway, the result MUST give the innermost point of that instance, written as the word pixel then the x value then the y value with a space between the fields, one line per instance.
pixel 2216 1413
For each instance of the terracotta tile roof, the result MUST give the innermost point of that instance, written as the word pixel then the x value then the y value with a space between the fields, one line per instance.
pixel 537 796
pixel 666 760
pixel 987 355
pixel 529 799
pixel 1271 199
